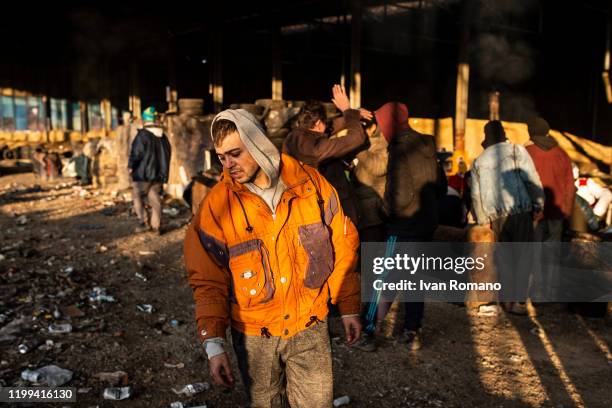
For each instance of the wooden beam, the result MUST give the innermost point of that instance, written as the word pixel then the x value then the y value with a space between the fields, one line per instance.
pixel 134 99
pixel 277 78
pixel 461 104
pixel 217 74
pixel 355 93
pixel 463 76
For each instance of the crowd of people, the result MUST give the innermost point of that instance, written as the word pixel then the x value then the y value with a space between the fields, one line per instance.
pixel 275 244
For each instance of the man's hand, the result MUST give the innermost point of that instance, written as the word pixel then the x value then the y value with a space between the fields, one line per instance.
pixel 365 114
pixel 340 99
pixel 352 328
pixel 221 370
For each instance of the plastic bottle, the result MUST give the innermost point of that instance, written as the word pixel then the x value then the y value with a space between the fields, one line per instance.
pixel 338 402
pixel 98 294
pixel 30 375
pixel 193 389
pixel 28 346
pixel 145 308
pixel 117 393
pixel 53 375
pixel 140 276
pixel 60 328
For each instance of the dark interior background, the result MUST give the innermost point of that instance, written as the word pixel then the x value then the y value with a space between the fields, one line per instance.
pixel 545 57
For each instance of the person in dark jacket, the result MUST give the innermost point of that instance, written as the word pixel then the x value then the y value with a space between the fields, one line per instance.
pixel 149 165
pixel 312 145
pixel 555 170
pixel 415 184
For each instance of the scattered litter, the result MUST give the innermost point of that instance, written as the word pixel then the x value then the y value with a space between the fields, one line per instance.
pixel 30 375
pixel 2 257
pixel 22 220
pixel 60 328
pixel 488 310
pixel 98 294
pixel 140 276
pixel 175 323
pixel 118 394
pixel 49 345
pixel 51 375
pixel 29 345
pixel 344 400
pixel 516 358
pixel 192 389
pixel 146 253
pixel 145 308
pixel 67 271
pixel 101 248
pixel 179 365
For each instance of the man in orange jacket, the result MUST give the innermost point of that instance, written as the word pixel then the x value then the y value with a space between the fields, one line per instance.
pixel 269 246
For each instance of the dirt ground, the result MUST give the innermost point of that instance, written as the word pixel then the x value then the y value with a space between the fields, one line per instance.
pixel 553 358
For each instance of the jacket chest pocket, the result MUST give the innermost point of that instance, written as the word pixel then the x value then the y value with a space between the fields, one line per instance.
pixel 315 250
pixel 252 281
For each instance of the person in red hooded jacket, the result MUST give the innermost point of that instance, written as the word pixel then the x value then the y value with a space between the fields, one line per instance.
pixel 555 170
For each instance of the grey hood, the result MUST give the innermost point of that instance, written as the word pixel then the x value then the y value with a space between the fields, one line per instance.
pixel 254 138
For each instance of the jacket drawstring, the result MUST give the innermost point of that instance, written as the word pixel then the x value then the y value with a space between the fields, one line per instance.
pixel 313 320
pixel 249 227
pixel 265 332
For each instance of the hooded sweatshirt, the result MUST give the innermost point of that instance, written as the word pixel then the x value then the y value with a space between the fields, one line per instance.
pixel 263 151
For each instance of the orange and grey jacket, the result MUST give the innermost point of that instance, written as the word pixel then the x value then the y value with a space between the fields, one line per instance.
pixel 271 275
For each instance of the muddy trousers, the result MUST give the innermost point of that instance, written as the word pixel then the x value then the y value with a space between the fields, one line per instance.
pixel 295 372
pixel 152 191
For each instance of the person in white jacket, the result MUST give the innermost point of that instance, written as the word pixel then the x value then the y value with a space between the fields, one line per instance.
pixel 597 196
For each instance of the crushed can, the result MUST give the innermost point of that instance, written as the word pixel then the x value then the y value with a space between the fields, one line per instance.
pixel 60 328
pixel 145 308
pixel 117 393
pixel 30 375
